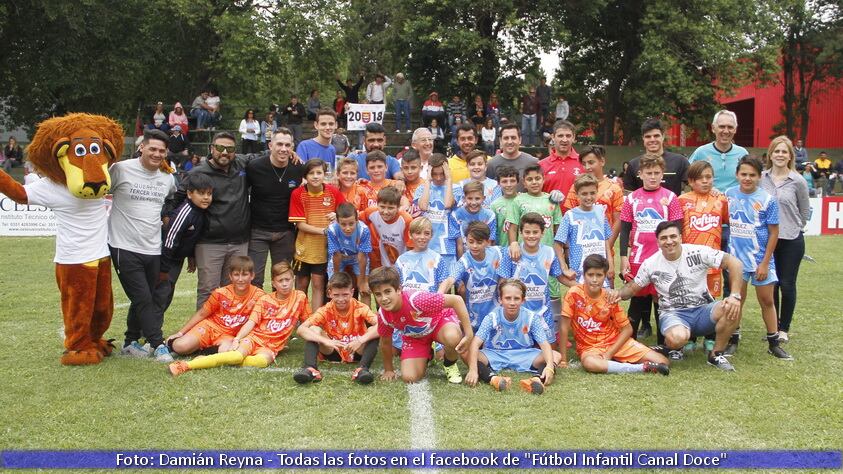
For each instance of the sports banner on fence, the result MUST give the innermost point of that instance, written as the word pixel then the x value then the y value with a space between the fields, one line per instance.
pixel 25 220
pixel 360 115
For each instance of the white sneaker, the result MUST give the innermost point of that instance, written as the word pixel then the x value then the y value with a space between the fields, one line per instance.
pixel 409 131
pixel 397 131
pixel 162 354
pixel 134 349
pixel 783 337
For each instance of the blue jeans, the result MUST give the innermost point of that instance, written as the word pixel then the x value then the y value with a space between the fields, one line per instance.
pixel 528 130
pixel 402 111
pixel 202 117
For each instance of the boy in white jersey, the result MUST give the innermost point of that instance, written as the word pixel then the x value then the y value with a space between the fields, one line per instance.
pixel 435 199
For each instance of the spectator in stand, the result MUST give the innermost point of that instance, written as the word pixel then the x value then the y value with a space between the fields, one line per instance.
pixel 376 90
pixel 201 111
pixel 320 145
pixel 432 109
pixel 543 94
pixel 456 110
pixel 529 110
pixel 822 165
pixel 294 114
pixel 13 152
pixel 801 153
pixel 313 104
pixel 6 163
pixel 546 130
pixel 438 136
pixel 562 108
pixel 178 117
pixel 489 135
pixel 339 108
pixel 249 131
pixel 835 176
pixel 178 147
pixel 789 188
pixel 159 119
pixel 402 94
pixel 352 90
pixel 268 127
pixel 192 162
pixel 810 175
pixel 477 111
pixel 213 102
pixel 493 110
pixel 272 180
pixel 676 165
pixel 511 154
pixel 563 166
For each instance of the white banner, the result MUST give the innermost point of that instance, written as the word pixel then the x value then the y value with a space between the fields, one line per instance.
pixel 359 115
pixel 815 223
pixel 22 220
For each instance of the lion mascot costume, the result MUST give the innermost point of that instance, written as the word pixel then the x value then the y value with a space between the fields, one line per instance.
pixel 73 153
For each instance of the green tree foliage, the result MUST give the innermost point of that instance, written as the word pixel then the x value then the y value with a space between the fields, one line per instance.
pixel 629 60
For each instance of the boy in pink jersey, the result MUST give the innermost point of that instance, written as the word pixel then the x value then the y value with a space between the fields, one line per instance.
pixel 422 317
pixel 641 212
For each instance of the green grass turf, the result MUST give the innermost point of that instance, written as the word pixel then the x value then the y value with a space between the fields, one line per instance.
pixel 126 403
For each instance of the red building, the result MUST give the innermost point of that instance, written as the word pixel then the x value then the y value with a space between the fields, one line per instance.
pixel 759 109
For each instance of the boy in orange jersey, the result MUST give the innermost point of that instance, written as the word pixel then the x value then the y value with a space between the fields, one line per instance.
pixel 609 194
pixel 411 168
pixel 390 228
pixel 705 210
pixel 376 169
pixel 265 334
pixel 348 184
pixel 221 316
pixel 602 331
pixel 344 330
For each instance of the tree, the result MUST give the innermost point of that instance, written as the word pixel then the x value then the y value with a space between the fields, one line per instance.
pixel 811 57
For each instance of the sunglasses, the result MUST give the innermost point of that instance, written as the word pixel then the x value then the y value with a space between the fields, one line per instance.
pixel 223 148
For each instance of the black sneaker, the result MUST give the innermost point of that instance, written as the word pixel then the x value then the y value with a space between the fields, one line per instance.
pixel 732 346
pixel 644 332
pixel 307 375
pixel 362 376
pixel 779 353
pixel 655 368
pixel 721 362
pixel 676 354
pixel 663 350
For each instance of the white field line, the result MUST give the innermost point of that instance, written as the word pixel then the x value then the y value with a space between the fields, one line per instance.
pixel 422 429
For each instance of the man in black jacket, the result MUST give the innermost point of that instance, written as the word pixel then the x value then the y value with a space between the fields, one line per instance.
pixel 352 91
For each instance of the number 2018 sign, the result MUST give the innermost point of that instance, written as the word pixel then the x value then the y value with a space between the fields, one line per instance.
pixel 360 115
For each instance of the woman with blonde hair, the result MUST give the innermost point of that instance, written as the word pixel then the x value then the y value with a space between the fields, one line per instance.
pixel 790 189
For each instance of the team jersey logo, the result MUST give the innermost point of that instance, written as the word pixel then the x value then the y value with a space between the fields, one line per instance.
pixel 704 222
pixel 275 326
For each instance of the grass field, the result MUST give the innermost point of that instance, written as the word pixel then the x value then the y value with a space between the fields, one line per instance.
pixel 127 403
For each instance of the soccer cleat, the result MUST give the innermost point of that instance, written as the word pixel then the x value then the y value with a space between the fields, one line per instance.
pixel 307 375
pixel 162 354
pixel 500 383
pixel 362 376
pixel 676 354
pixel 134 349
pixel 721 362
pixel 178 367
pixel 783 337
pixel 452 372
pixel 663 350
pixel 656 368
pixel 532 385
pixel 644 332
pixel 779 353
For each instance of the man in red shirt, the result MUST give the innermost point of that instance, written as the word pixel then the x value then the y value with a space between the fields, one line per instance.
pixel 563 166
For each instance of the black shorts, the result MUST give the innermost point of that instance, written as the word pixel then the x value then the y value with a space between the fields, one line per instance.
pixel 305 269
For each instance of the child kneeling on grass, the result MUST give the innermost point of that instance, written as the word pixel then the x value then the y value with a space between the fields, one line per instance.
pixel 344 330
pixel 423 318
pixel 509 335
pixel 267 331
pixel 601 330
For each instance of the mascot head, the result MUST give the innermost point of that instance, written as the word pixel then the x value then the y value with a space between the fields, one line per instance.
pixel 76 150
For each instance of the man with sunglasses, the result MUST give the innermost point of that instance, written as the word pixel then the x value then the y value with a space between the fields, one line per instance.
pixel 675 165
pixel 229 216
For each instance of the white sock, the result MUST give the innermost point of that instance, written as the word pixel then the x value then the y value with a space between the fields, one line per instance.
pixel 623 368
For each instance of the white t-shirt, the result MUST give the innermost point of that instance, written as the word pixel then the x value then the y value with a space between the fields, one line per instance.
pixel 681 283
pixel 138 196
pixel 82 228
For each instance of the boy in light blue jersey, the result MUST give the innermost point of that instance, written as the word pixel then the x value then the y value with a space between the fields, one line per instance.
pixel 471 211
pixel 509 336
pixel 476 163
pixel 349 246
pixel 477 271
pixel 536 267
pixel 754 232
pixel 584 231
pixel 422 269
pixel 435 199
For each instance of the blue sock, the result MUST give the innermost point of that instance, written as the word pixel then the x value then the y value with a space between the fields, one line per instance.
pixel 623 368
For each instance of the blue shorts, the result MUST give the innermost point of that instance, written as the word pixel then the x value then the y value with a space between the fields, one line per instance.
pixel 348 265
pixel 700 320
pixel 519 360
pixel 771 278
